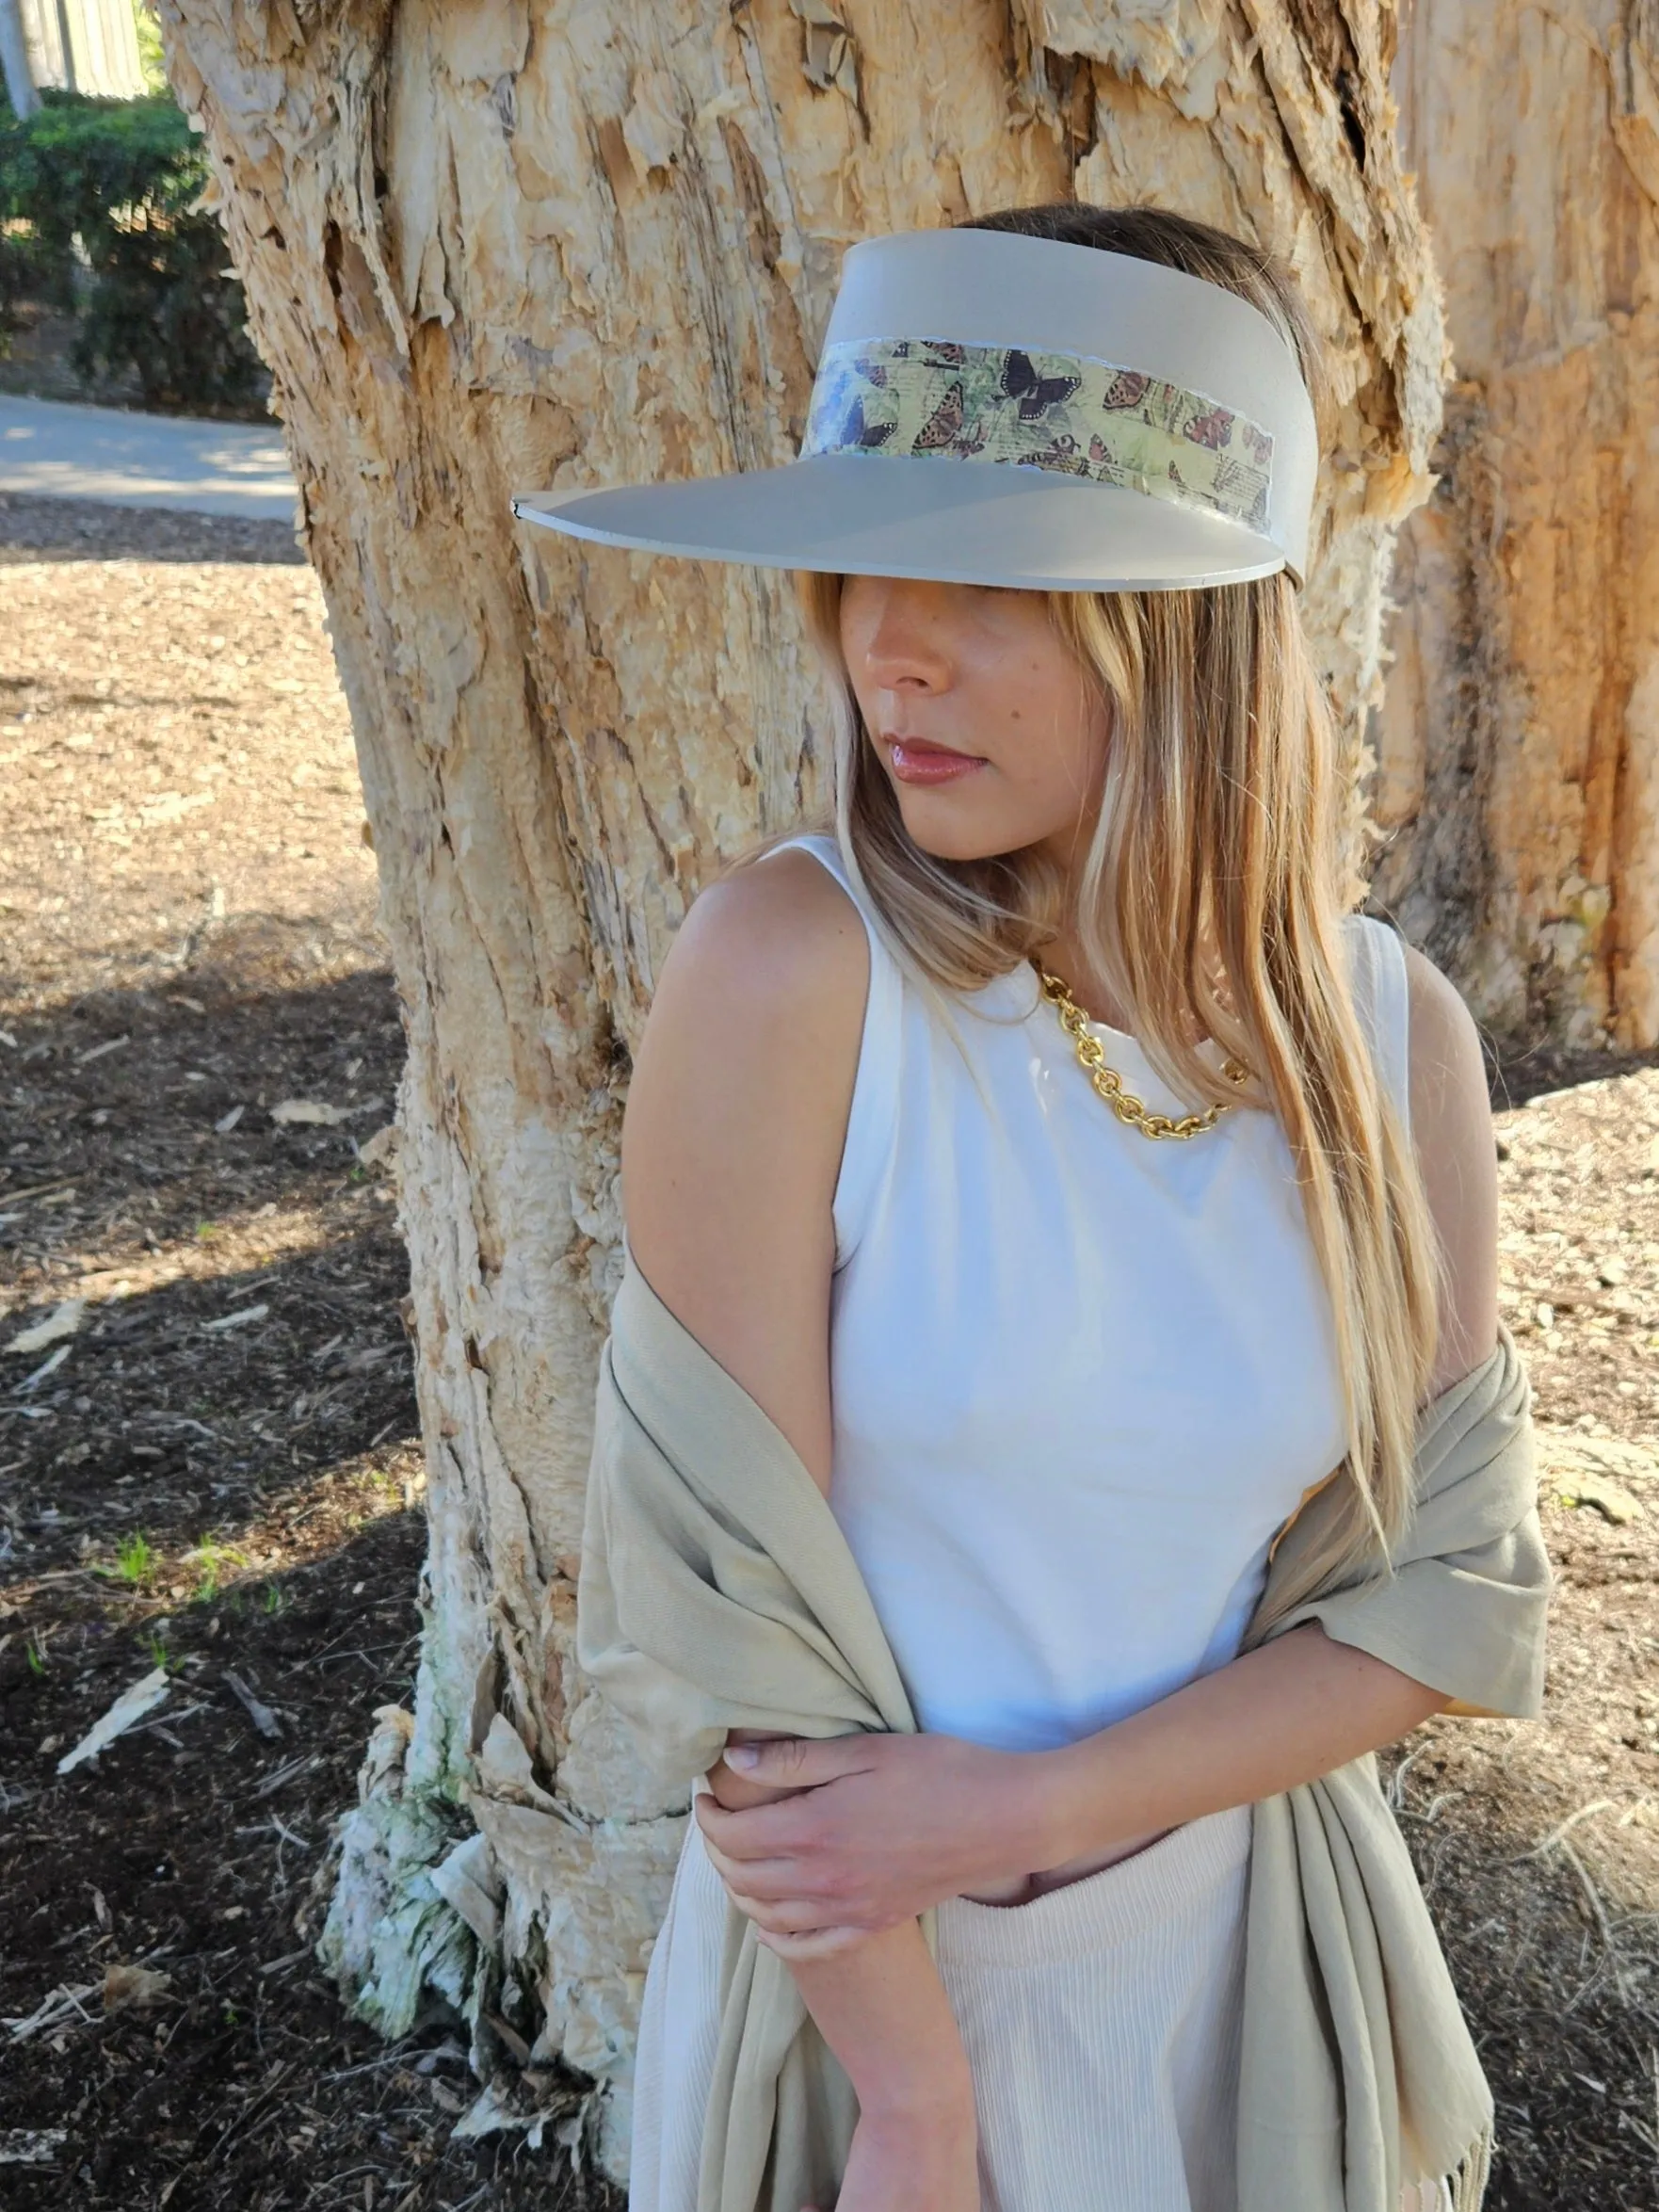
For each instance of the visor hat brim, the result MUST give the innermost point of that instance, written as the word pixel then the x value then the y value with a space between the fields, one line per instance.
pixel 993 408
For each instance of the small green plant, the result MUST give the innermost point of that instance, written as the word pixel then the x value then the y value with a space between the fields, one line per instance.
pixel 155 1645
pixel 213 1564
pixel 274 1600
pixel 135 1558
pixel 36 1656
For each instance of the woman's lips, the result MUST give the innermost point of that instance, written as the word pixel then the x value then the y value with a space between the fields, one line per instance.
pixel 917 760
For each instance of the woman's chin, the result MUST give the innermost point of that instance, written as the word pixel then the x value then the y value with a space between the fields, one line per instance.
pixel 948 832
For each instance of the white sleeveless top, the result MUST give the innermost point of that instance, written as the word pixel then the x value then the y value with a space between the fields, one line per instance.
pixel 1080 1380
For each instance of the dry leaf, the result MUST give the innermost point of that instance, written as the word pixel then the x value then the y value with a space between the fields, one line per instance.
pixel 64 1320
pixel 375 1150
pixel 148 1692
pixel 137 1986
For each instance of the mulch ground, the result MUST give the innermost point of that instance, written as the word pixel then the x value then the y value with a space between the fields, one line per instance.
pixel 215 1472
pixel 212 1467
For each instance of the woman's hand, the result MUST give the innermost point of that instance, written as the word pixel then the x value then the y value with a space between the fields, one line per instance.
pixel 881 1828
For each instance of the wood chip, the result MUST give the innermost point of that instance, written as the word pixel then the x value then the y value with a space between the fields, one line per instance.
pixel 1610 1499
pixel 48 1367
pixel 63 2003
pixel 1595 1471
pixel 31 2146
pixel 257 1710
pixel 236 1320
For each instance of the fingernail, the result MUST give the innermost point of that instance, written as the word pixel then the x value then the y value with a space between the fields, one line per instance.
pixel 743 1756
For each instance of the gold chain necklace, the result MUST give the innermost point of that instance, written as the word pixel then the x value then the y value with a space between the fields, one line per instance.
pixel 1091 1058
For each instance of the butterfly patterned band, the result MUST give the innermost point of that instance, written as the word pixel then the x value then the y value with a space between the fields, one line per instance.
pixel 920 396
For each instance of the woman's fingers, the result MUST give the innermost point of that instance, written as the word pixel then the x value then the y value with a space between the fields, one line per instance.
pixel 766 1879
pixel 801 1762
pixel 825 1943
pixel 760 1832
pixel 792 1916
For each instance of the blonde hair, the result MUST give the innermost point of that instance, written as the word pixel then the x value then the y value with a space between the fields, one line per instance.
pixel 1211 901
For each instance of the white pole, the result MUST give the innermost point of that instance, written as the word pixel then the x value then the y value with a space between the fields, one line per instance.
pixel 14 61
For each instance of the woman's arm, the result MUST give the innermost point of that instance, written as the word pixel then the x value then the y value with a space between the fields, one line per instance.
pixel 955 1818
pixel 731 1139
pixel 1458 1159
pixel 731 1146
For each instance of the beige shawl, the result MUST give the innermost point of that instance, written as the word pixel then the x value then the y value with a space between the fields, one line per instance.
pixel 718 1593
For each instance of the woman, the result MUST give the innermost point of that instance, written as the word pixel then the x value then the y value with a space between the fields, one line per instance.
pixel 1074 1188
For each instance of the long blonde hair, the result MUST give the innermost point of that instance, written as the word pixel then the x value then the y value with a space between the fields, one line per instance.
pixel 1211 901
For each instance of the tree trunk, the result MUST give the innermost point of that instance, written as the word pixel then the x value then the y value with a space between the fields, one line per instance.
pixel 1520 742
pixel 486 249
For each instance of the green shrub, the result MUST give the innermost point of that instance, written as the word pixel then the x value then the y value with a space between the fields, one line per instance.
pixel 30 271
pixel 104 195
pixel 151 59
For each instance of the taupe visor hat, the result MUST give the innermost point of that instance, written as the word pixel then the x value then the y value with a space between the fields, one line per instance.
pixel 994 409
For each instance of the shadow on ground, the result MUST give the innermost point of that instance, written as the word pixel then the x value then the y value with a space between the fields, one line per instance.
pixel 33 528
pixel 233 1278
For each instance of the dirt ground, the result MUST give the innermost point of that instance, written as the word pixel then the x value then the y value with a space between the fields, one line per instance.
pixel 213 1467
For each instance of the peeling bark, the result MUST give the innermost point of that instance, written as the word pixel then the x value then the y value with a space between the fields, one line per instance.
pixel 491 247
pixel 1520 742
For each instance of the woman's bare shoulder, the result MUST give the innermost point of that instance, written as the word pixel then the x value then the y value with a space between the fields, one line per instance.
pixel 1457 1154
pixel 737 1115
pixel 776 929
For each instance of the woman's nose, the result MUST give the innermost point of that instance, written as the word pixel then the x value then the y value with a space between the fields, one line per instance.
pixel 907 645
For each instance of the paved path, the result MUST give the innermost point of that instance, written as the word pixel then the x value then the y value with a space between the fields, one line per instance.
pixel 57 450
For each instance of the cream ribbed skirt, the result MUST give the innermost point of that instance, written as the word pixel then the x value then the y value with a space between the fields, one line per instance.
pixel 1102 2026
pixel 1100 2022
